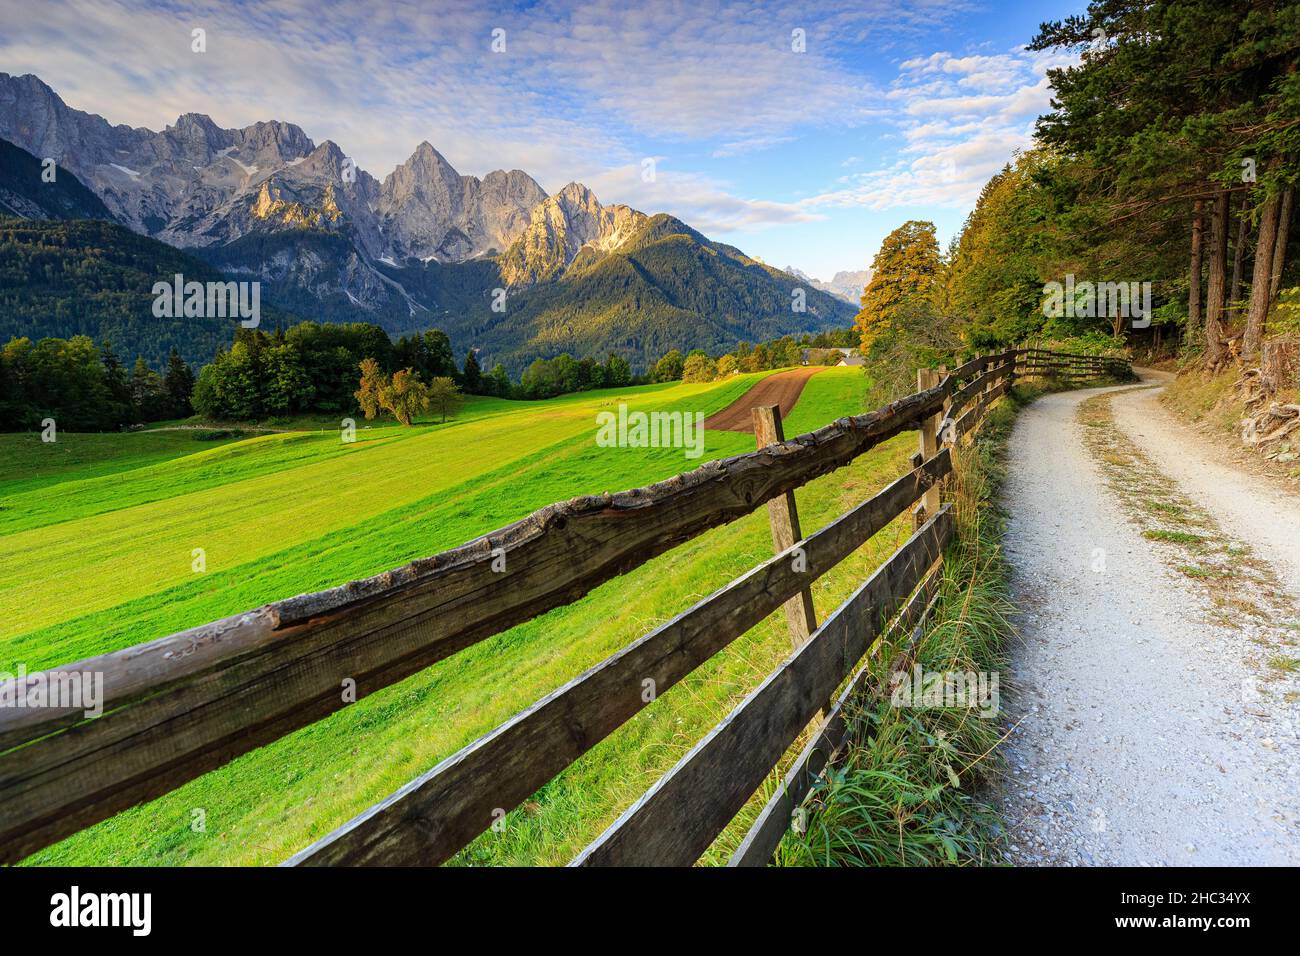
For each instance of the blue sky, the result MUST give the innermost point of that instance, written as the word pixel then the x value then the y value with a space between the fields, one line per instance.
pixel 893 110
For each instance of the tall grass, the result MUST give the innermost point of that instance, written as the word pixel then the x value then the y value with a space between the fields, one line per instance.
pixel 909 787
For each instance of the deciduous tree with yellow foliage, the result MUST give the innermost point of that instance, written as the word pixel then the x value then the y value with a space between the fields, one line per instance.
pixel 908 267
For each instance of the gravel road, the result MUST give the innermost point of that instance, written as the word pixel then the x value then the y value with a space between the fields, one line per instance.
pixel 1251 506
pixel 1140 734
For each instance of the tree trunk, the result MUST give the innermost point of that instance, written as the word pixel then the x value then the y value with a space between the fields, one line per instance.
pixel 1194 276
pixel 1279 364
pixel 1279 248
pixel 1217 280
pixel 1257 311
pixel 1238 262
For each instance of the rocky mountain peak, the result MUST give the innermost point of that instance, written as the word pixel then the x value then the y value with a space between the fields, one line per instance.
pixel 578 196
pixel 285 140
pixel 430 211
pixel 195 122
pixel 327 160
pixel 198 136
pixel 559 227
pixel 33 91
pixel 425 165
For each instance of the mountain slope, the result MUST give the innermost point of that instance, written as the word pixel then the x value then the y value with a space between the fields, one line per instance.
pixel 321 273
pixel 25 192
pixel 665 286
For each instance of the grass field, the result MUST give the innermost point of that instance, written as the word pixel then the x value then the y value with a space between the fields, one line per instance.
pixel 97 534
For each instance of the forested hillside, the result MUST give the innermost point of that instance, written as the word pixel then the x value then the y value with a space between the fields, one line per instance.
pixel 668 287
pixel 92 278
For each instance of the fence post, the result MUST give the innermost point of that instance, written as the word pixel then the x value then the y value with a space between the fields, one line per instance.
pixel 784 518
pixel 929 445
pixel 918 509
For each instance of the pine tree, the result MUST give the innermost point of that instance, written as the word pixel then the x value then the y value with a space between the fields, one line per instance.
pixel 473 375
pixel 1180 108
pixel 178 384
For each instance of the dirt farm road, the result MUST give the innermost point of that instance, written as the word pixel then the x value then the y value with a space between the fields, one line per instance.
pixel 782 389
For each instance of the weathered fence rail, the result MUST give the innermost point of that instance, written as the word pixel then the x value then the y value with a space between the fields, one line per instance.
pixel 182 705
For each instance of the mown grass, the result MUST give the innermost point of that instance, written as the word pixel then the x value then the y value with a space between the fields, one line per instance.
pixel 271 802
pixel 28 464
pixel 908 789
pixel 98 543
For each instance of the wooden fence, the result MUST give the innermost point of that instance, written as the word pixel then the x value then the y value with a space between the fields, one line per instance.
pixel 179 706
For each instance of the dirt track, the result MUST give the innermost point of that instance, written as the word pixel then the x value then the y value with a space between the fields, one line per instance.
pixel 782 389
pixel 1145 728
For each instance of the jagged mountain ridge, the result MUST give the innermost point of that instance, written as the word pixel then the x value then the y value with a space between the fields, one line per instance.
pixel 844 285
pixel 197 184
pixel 426 247
pixel 480 215
pixel 558 230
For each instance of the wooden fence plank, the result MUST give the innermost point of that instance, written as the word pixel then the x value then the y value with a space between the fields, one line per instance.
pixel 439 812
pixel 975 414
pixel 677 819
pixel 977 365
pixel 976 387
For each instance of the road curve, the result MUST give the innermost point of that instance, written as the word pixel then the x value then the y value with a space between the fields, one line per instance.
pixel 1137 735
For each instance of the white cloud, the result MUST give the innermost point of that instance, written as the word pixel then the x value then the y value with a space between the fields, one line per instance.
pixel 381 78
pixel 955 139
pixel 751 145
pixel 698 200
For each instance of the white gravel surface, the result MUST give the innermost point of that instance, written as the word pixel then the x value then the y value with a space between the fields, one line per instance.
pixel 1248 506
pixel 1141 738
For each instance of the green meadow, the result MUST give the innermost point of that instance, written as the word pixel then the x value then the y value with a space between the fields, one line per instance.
pixel 98 535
